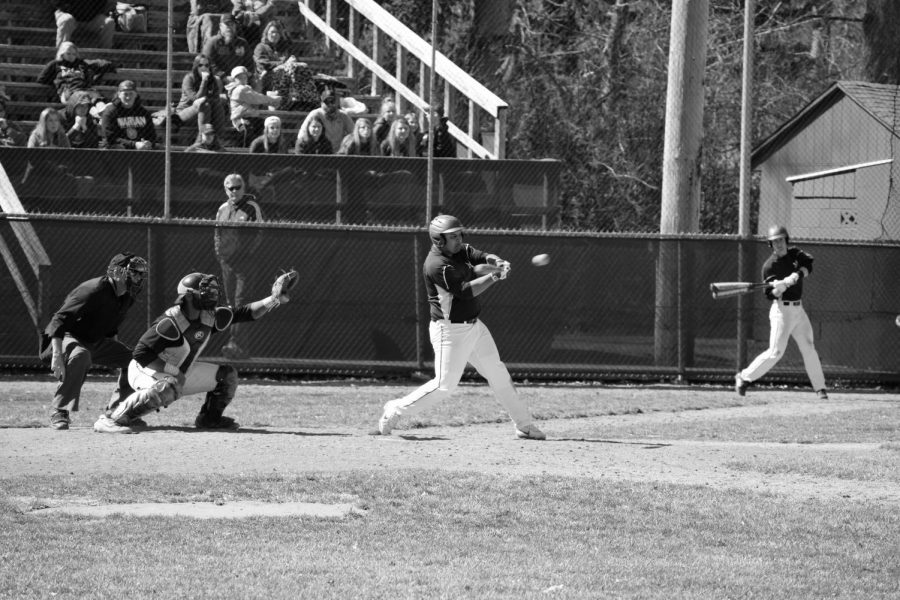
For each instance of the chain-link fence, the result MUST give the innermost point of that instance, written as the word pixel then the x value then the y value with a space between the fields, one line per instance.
pixel 608 306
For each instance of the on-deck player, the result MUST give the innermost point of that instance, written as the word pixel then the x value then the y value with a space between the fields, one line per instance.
pixel 786 269
pixel 458 336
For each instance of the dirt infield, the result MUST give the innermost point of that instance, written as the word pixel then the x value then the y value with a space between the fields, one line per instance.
pixel 486 448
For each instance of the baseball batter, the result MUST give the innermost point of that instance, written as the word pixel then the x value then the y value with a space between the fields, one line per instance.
pixel 164 366
pixel 457 334
pixel 785 269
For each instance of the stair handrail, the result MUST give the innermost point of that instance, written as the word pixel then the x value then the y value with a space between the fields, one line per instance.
pixel 408 41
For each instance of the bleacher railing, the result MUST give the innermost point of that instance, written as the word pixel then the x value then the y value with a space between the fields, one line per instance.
pixel 452 79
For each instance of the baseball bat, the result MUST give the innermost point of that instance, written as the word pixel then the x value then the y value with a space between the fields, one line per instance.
pixel 728 289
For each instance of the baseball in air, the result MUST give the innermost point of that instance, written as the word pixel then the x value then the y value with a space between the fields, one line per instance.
pixel 897 321
pixel 540 260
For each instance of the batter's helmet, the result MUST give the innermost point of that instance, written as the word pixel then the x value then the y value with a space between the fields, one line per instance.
pixel 202 288
pixel 442 224
pixel 127 272
pixel 778 231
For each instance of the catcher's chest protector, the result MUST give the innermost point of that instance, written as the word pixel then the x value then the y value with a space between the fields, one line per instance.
pixel 186 339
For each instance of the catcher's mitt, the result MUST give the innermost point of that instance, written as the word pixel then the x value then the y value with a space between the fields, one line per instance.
pixel 281 289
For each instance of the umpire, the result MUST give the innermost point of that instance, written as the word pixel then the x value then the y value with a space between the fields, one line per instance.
pixel 83 332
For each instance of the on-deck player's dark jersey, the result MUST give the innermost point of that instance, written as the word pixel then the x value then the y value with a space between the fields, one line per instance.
pixel 91 312
pixel 179 341
pixel 447 283
pixel 779 268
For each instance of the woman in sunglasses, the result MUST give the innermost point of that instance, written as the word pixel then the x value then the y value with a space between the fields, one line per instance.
pixel 201 99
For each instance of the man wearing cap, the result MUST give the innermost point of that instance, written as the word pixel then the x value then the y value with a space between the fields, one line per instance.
pixel 208 141
pixel 336 122
pixel 226 50
pixel 243 101
pixel 126 123
pixel 83 332
pixel 201 23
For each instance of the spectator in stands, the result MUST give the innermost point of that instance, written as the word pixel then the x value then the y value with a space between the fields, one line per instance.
pixel 361 141
pixel 203 22
pixel 252 16
pixel 68 72
pixel 280 71
pixel 244 101
pixel 48 133
pixel 126 123
pixel 81 128
pixel 271 141
pixel 208 142
pixel 92 15
pixel 398 142
pixel 386 116
pixel 11 135
pixel 444 143
pixel 311 138
pixel 226 50
pixel 412 119
pixel 336 122
pixel 201 98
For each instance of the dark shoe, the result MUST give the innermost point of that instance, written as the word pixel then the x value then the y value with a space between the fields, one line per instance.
pixel 205 421
pixel 740 386
pixel 822 394
pixel 60 419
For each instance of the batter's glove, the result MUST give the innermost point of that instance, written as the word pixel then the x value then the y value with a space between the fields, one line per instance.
pixel 281 289
pixel 505 268
pixel 778 288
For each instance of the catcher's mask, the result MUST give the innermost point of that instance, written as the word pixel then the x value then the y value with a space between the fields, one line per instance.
pixel 201 289
pixel 127 273
pixel 778 231
pixel 442 224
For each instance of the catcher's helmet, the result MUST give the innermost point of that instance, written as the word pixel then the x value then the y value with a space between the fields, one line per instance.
pixel 202 288
pixel 442 224
pixel 127 272
pixel 778 231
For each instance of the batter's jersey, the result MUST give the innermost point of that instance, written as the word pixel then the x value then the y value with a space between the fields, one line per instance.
pixel 178 341
pixel 91 312
pixel 780 267
pixel 447 283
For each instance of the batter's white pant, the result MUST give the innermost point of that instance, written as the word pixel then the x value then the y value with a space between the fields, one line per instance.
pixel 201 377
pixel 787 321
pixel 456 344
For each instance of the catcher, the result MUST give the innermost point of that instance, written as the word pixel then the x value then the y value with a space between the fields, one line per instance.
pixel 164 366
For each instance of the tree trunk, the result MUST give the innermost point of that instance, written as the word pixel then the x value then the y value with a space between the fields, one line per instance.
pixel 880 25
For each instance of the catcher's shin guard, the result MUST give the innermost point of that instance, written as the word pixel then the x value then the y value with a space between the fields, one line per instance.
pixel 143 402
pixel 218 399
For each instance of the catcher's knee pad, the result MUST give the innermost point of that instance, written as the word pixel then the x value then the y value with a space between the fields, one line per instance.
pixel 160 395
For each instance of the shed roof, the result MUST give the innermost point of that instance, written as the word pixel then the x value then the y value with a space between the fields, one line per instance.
pixel 878 100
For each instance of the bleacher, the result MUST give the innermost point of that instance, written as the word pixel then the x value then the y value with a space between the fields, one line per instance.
pixel 28 35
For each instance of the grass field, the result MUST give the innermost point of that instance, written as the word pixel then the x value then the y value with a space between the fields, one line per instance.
pixel 639 492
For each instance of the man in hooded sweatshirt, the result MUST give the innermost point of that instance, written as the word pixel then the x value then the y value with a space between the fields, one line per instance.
pixel 126 124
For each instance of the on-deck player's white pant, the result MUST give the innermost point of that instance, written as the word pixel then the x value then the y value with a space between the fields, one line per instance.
pixel 200 377
pixel 456 344
pixel 787 321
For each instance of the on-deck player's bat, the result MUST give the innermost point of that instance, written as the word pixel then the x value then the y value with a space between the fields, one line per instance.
pixel 727 289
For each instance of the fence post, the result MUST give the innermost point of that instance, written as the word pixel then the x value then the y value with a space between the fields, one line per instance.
pixel 421 318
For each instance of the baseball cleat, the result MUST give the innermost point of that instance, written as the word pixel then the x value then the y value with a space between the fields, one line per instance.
pixel 204 421
pixel 60 419
pixel 106 425
pixel 740 386
pixel 531 432
pixel 822 394
pixel 387 423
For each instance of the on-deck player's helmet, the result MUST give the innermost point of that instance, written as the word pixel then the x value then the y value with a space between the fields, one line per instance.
pixel 201 288
pixel 127 272
pixel 442 224
pixel 778 231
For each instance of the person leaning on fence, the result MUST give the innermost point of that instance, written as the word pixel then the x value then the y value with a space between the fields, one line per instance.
pixel 444 143
pixel 413 121
pixel 90 15
pixel 311 138
pixel 202 22
pixel 251 17
pixel 236 248
pixel 11 134
pixel 208 142
pixel 126 124
pixel 386 115
pixel 84 330
pixel 81 127
pixel 337 123
pixel 201 100
pixel 361 142
pixel 786 269
pixel 244 102
pixel 68 73
pixel 227 51
pixel 271 141
pixel 399 142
